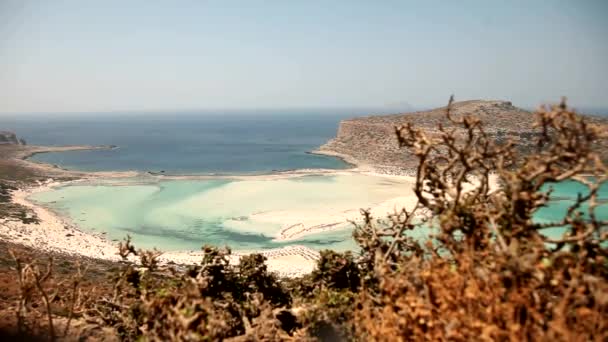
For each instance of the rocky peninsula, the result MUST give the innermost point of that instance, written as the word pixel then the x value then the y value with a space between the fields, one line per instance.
pixel 370 142
pixel 10 138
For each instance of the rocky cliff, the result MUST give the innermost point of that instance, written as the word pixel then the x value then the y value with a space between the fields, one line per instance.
pixel 10 138
pixel 370 142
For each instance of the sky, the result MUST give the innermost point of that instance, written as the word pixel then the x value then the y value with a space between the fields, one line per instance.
pixel 95 56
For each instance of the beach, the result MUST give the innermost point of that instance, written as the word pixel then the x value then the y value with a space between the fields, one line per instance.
pixel 57 233
pixel 288 222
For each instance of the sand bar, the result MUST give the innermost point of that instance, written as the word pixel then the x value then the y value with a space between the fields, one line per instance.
pixel 58 234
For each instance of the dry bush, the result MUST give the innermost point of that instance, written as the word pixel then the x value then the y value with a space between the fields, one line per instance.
pixel 324 300
pixel 489 273
pixel 39 290
pixel 211 301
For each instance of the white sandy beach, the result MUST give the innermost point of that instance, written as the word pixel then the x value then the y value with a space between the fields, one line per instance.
pixel 296 224
pixel 55 233
pixel 58 234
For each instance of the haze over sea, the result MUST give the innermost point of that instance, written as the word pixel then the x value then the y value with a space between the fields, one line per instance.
pixel 185 214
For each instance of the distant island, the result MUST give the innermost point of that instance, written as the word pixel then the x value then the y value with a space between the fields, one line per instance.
pixel 370 143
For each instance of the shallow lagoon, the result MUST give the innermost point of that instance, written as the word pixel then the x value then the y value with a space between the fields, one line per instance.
pixel 185 214
pixel 563 195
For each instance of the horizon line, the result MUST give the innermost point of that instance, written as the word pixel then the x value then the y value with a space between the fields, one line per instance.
pixel 382 108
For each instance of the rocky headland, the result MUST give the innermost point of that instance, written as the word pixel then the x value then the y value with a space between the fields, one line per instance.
pixel 10 138
pixel 370 142
pixel 16 167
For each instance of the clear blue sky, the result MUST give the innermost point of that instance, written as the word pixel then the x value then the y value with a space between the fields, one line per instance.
pixel 155 55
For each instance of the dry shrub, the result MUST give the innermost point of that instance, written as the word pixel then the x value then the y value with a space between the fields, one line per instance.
pixel 42 299
pixel 489 273
pixel 211 301
pixel 324 300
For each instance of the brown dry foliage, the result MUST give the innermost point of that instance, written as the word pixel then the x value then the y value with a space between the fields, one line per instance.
pixel 43 298
pixel 489 273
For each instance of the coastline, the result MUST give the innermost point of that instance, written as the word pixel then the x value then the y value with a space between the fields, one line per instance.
pixel 23 155
pixel 385 170
pixel 344 157
pixel 56 233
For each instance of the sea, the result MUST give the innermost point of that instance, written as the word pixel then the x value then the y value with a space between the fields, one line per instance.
pixel 185 142
pixel 186 214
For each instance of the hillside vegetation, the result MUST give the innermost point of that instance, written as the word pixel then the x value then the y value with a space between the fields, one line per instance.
pixel 487 273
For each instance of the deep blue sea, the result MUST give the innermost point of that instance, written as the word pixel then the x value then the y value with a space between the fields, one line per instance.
pixel 185 143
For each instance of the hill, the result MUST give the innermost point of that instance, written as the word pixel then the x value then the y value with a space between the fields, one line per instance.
pixel 369 142
pixel 7 137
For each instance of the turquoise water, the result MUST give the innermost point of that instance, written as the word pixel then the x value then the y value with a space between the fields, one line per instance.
pixel 563 195
pixel 183 215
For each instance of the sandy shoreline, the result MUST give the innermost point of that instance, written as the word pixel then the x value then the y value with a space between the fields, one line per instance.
pixel 53 233
pixel 21 155
pixel 344 157
pixel 57 233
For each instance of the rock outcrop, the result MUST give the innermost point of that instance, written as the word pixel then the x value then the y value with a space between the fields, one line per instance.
pixel 370 142
pixel 7 137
